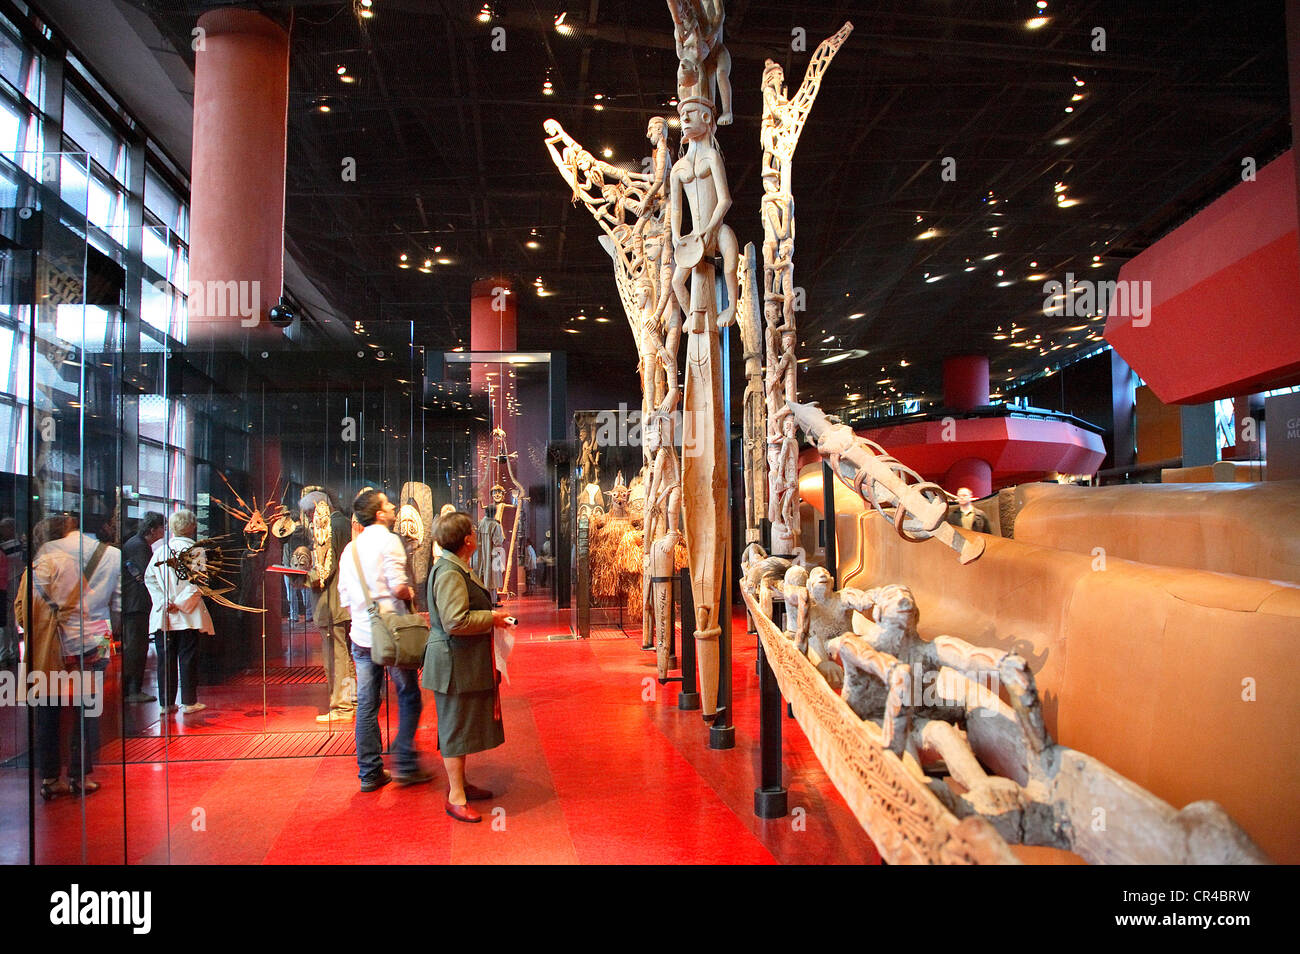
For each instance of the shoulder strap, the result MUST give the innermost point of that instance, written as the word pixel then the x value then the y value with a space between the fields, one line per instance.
pixel 365 590
pixel 89 569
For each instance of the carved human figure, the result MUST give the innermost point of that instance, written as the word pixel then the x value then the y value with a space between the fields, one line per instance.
pixel 700 178
pixel 795 588
pixel 703 61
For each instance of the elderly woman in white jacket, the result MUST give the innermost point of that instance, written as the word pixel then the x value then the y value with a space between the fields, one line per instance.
pixel 178 616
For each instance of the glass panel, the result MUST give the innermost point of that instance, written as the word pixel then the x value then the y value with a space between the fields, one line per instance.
pixel 162 200
pixel 153 470
pixel 91 132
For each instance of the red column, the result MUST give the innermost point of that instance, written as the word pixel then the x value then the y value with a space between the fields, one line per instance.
pixel 965 382
pixel 241 99
pixel 970 472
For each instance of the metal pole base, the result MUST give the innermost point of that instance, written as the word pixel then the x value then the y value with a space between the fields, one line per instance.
pixel 688 701
pixel 770 804
pixel 722 736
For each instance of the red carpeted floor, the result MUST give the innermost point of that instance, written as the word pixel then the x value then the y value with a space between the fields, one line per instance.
pixel 599 766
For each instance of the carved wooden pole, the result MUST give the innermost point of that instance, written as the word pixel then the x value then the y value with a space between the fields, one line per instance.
pixel 699 181
pixel 643 265
pixel 783 121
pixel 755 417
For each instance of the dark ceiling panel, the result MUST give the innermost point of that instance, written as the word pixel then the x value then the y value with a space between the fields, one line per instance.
pixel 447 138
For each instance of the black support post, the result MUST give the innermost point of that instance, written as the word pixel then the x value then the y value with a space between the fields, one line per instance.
pixel 689 698
pixel 770 798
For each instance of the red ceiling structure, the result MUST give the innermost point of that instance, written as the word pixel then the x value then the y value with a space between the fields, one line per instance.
pixel 1223 312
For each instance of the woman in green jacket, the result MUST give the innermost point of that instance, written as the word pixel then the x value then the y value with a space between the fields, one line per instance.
pixel 459 663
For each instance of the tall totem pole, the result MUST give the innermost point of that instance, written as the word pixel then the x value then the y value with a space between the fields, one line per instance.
pixel 632 210
pixel 783 121
pixel 699 182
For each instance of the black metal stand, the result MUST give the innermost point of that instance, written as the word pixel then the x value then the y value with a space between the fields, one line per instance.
pixel 828 504
pixel 688 700
pixel 770 798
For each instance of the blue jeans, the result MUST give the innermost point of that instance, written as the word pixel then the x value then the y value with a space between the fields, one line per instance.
pixel 370 689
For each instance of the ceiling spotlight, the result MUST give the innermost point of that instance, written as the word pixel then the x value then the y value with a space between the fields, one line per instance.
pixel 444 261
pixel 1042 4
pixel 928 234
pixel 548 89
pixel 1078 82
pixel 1063 141
pixel 1034 23
pixel 857 315
pixel 532 243
pixel 1076 97
pixel 341 70
pixel 1001 273
pixel 598 96
pixel 1069 109
pixel 598 107
pixel 1033 264
pixel 485 14
pixel 607 152
pixel 365 12
pixel 1064 203
pixel 561 26
pixel 602 319
pixel 323 107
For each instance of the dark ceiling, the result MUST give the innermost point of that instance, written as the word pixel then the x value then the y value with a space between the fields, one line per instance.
pixel 448 142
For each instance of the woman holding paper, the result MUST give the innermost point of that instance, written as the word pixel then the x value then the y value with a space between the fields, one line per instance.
pixel 459 663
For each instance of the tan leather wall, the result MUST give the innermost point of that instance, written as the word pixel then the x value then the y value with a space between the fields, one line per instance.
pixel 1247 529
pixel 1159 427
pixel 1140 666
pixel 1222 471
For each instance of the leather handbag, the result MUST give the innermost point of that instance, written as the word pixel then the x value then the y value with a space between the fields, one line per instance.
pixel 396 639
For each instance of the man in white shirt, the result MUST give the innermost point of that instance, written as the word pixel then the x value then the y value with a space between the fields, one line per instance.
pixel 382 559
pixel 83 577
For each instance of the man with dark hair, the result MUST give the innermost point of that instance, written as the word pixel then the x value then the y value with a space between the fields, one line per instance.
pixel 83 577
pixel 378 554
pixel 136 604
pixel 328 537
